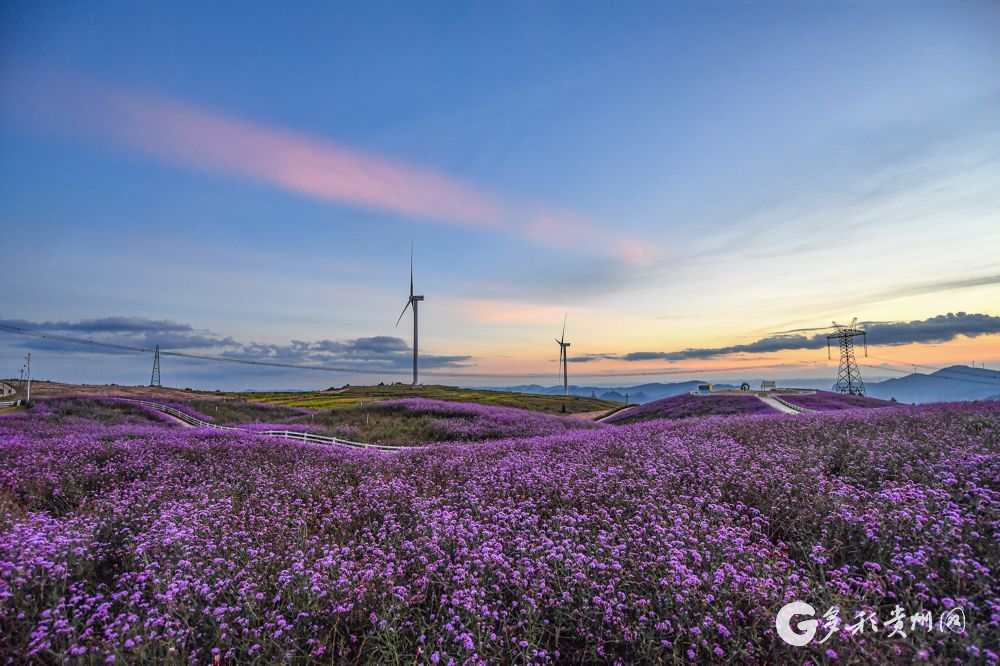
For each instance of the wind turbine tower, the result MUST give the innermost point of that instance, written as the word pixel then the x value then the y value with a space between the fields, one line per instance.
pixel 563 346
pixel 412 302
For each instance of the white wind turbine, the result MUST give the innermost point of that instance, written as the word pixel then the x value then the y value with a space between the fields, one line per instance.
pixel 412 302
pixel 563 345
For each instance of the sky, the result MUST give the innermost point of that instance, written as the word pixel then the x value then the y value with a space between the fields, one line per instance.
pixel 700 189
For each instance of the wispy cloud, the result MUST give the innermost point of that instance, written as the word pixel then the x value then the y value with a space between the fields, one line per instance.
pixel 590 358
pixel 376 353
pixel 182 133
pixel 941 328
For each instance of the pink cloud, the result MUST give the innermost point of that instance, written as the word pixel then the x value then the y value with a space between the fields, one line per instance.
pixel 560 228
pixel 189 135
pixel 186 134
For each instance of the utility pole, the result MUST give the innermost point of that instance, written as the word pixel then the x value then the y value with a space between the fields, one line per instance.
pixel 27 364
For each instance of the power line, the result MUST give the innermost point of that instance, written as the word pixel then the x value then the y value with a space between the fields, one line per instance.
pixel 652 372
pixel 199 357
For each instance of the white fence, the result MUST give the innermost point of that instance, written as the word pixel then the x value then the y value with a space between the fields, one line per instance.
pixel 790 405
pixel 287 434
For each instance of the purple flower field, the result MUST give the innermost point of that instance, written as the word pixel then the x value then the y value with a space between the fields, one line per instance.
pixel 826 401
pixel 670 541
pixel 467 421
pixel 686 406
pixel 115 411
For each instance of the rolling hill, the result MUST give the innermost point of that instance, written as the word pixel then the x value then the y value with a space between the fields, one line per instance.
pixel 689 406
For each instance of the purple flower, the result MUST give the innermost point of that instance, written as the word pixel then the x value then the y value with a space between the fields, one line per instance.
pixel 124 535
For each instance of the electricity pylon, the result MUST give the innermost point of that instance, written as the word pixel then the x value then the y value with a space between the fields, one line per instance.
pixel 849 376
pixel 155 379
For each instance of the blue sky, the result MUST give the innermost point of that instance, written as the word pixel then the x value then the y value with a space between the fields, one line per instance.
pixel 672 175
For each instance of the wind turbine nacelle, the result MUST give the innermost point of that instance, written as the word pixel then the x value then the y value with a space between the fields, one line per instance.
pixel 416 298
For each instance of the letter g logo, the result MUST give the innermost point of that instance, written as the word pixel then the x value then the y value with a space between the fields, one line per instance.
pixel 783 623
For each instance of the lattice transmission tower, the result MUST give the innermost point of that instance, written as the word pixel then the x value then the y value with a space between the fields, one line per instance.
pixel 155 379
pixel 849 376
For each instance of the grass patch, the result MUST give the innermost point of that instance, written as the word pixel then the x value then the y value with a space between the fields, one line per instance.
pixel 234 411
pixel 354 396
pixel 390 422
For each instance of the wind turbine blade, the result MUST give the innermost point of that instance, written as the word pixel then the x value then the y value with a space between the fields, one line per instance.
pixel 411 269
pixel 563 336
pixel 403 312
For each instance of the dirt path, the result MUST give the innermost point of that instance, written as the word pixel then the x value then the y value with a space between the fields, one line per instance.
pixel 589 416
pixel 616 413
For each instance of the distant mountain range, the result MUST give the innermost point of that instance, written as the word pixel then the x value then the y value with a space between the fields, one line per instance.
pixel 958 382
pixel 955 383
pixel 643 393
pixel 638 394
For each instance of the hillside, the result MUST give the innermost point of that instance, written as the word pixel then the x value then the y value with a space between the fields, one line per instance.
pixel 351 396
pixel 688 406
pixel 827 401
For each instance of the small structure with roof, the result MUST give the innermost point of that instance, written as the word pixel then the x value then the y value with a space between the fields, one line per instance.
pixel 768 386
